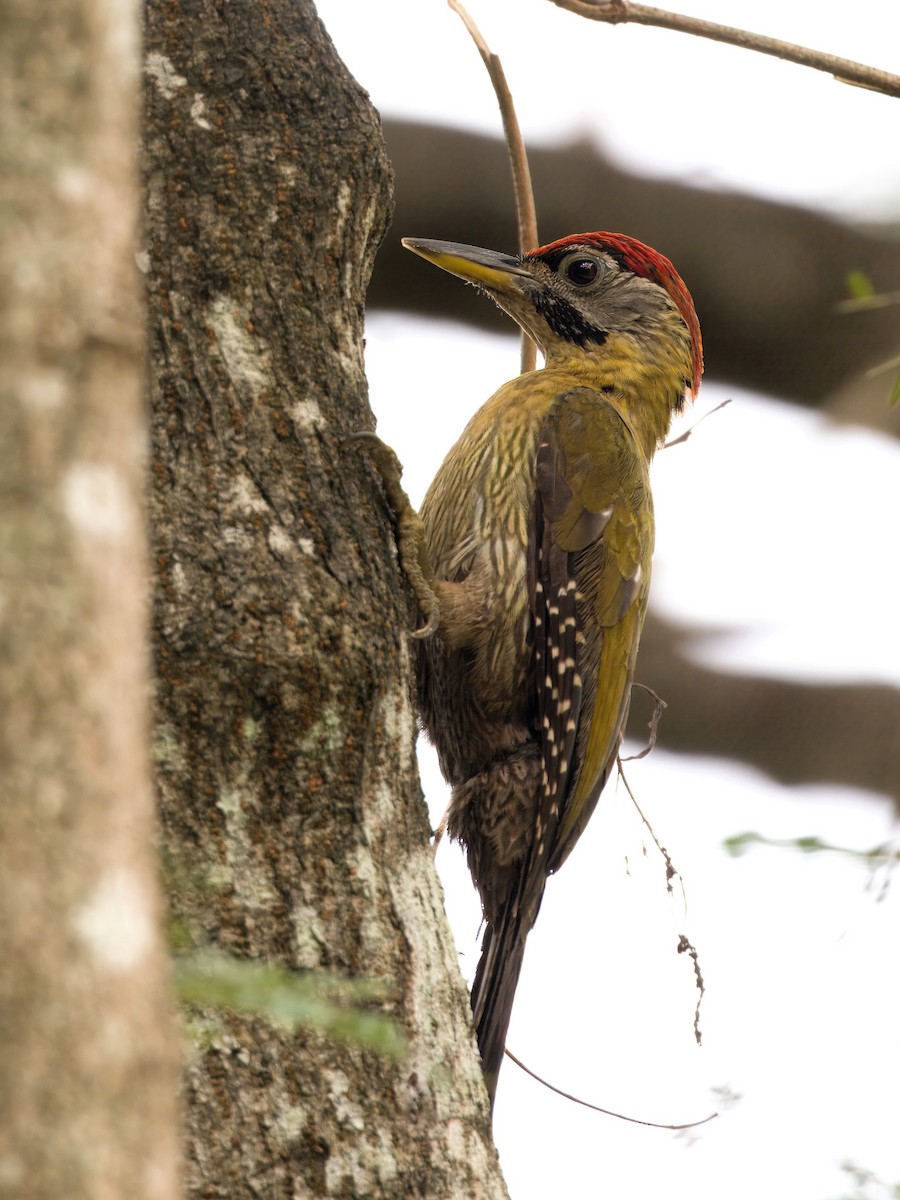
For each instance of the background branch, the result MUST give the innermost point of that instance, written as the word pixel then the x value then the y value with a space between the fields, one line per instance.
pixel 617 12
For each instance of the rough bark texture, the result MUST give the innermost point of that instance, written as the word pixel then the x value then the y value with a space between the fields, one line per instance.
pixel 294 824
pixel 88 1071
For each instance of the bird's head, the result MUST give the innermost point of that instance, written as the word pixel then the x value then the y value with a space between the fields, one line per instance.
pixel 577 294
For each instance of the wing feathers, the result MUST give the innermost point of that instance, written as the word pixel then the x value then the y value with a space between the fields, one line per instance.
pixel 592 539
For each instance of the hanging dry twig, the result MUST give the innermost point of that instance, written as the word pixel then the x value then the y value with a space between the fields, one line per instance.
pixel 659 707
pixel 526 214
pixel 685 945
pixel 671 870
pixel 616 12
pixel 596 1107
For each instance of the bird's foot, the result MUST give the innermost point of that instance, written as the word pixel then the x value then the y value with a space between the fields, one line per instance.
pixel 411 545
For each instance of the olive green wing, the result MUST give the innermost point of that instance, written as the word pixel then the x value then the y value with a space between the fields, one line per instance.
pixel 589 569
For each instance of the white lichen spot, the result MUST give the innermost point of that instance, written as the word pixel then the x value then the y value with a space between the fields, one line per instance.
pixel 167 749
pixel 42 389
pixel 74 183
pixel 239 538
pixel 115 922
pixel 250 729
pixel 310 937
pixel 245 873
pixel 280 542
pixel 163 73
pixel 342 211
pixel 290 1123
pixel 287 171
pixel 246 496
pixel 399 723
pixel 198 112
pixel 245 362
pixel 364 1167
pixel 179 577
pixel 229 804
pixel 455 1139
pixel 306 414
pixel 325 736
pixel 369 215
pixel 142 261
pixel 348 1112
pixel 386 1159
pixel 347 357
pixel 307 545
pixel 95 500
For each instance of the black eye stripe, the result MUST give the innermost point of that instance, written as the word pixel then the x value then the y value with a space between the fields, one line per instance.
pixel 566 321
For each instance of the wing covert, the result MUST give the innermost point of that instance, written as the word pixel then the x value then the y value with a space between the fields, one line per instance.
pixel 589 574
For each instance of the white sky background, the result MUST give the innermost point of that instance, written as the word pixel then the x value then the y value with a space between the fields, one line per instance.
pixel 799 954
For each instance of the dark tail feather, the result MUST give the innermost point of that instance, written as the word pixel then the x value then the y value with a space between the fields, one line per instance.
pixel 502 952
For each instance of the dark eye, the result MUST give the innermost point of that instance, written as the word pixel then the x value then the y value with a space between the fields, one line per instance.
pixel 581 271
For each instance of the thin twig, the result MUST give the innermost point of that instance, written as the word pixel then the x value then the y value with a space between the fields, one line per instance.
pixel 883 367
pixel 526 214
pixel 683 437
pixel 671 871
pixel 659 706
pixel 438 835
pixel 596 1107
pixel 615 12
pixel 685 945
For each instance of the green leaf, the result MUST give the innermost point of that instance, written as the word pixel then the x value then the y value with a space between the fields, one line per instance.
pixel 739 843
pixel 859 285
pixel 331 1004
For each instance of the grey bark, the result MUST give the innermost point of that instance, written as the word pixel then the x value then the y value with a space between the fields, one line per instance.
pixel 293 820
pixel 88 1067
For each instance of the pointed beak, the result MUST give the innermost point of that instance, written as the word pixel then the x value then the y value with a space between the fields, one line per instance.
pixel 500 274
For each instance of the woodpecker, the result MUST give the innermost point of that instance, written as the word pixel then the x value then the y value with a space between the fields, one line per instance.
pixel 539 533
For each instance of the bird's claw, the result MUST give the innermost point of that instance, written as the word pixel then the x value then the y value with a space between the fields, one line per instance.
pixel 411 545
pixel 433 623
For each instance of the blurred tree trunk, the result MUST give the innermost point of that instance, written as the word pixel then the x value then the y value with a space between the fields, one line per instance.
pixel 766 277
pixel 88 1078
pixel 293 819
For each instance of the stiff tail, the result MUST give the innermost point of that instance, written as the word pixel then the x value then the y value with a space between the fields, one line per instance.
pixel 494 989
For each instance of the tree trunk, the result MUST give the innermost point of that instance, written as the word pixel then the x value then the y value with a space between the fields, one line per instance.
pixel 87 1082
pixel 294 824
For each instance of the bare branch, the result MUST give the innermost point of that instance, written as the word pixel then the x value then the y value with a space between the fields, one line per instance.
pixel 526 214
pixel 615 12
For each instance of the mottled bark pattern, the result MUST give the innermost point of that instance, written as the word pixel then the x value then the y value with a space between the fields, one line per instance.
pixel 294 825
